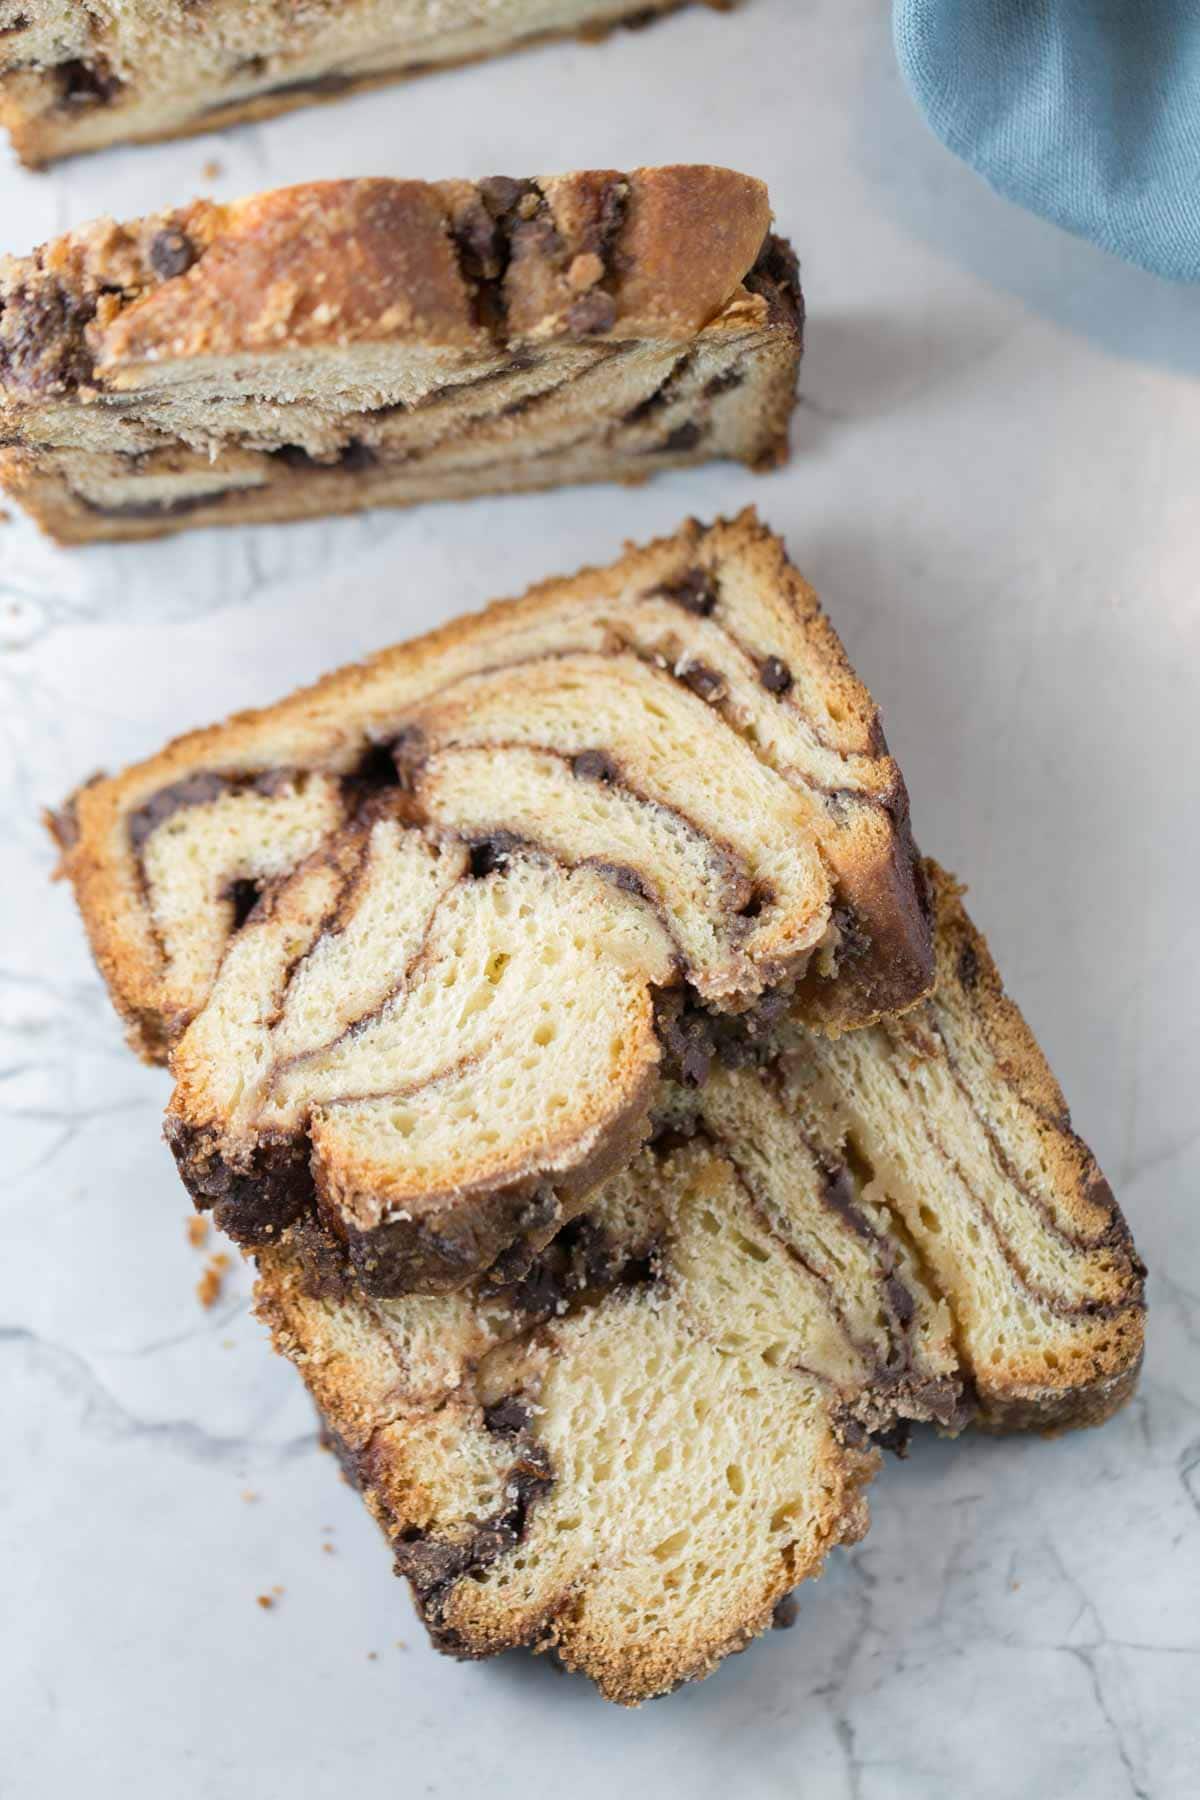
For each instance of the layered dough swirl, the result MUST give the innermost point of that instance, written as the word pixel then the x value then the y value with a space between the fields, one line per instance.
pixel 631 1455
pixel 423 941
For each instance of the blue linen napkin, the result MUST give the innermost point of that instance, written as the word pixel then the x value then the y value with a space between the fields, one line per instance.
pixel 1086 111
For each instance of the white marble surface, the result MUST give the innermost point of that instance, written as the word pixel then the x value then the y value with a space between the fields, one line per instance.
pixel 994 488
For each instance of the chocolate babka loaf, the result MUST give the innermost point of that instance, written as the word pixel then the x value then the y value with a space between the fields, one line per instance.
pixel 348 344
pixel 423 940
pixel 632 1454
pixel 78 77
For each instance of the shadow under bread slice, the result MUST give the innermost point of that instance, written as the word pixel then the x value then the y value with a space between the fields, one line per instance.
pixel 633 1453
pixel 77 78
pixel 346 344
pixel 421 940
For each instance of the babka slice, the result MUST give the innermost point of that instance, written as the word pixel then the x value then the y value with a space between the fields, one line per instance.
pixel 422 939
pixel 631 1455
pixel 347 344
pixel 76 78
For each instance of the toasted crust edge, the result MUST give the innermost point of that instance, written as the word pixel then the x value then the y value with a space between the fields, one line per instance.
pixel 1102 1373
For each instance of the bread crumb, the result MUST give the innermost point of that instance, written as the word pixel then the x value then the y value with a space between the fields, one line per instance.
pixel 212 169
pixel 277 1591
pixel 400 1644
pixel 266 1602
pixel 249 1495
pixel 372 1656
pixel 208 1288
pixel 197 1230
pixel 329 1549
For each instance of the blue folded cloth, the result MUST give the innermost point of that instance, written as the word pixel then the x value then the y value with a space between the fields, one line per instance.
pixel 1086 111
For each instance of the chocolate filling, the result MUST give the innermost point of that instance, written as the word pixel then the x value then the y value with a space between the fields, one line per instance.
pixel 775 277
pixel 696 592
pixel 702 680
pixel 86 83
pixel 271 1189
pixel 200 790
pixel 352 457
pixel 594 765
pixel 42 344
pixel 433 1565
pixel 244 896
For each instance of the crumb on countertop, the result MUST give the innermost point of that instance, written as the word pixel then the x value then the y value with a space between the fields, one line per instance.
pixel 197 1230
pixel 266 1602
pixel 212 169
pixel 249 1495
pixel 208 1288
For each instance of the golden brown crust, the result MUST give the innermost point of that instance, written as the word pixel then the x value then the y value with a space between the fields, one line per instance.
pixel 370 260
pixel 333 262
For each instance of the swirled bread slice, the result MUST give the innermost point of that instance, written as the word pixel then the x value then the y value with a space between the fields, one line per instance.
pixel 631 1455
pixel 77 78
pixel 418 935
pixel 347 344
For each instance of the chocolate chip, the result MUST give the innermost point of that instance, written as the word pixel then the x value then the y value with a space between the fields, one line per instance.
pixel 687 1038
pixel 703 681
pixel 900 1301
pixel 723 383
pixel 507 1417
pixel 86 84
pixel 501 194
pixel 479 242
pixel 776 676
pixel 592 314
pixel 968 966
pixel 841 1198
pixel 171 253
pixel 244 895
pixel 895 1438
pixel 491 853
pixel 684 437
pixel 696 592
pixel 594 765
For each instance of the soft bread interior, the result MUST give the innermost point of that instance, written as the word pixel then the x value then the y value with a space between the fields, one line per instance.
pixel 313 434
pixel 637 1452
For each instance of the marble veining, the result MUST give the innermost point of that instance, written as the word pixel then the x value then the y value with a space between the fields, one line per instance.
pixel 994 490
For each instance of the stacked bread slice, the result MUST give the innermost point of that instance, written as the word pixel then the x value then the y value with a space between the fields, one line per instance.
pixel 347 344
pixel 630 1128
pixel 77 78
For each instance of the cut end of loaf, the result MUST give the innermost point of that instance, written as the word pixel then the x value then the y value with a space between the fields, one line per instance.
pixel 341 345
pixel 632 1452
pixel 424 939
